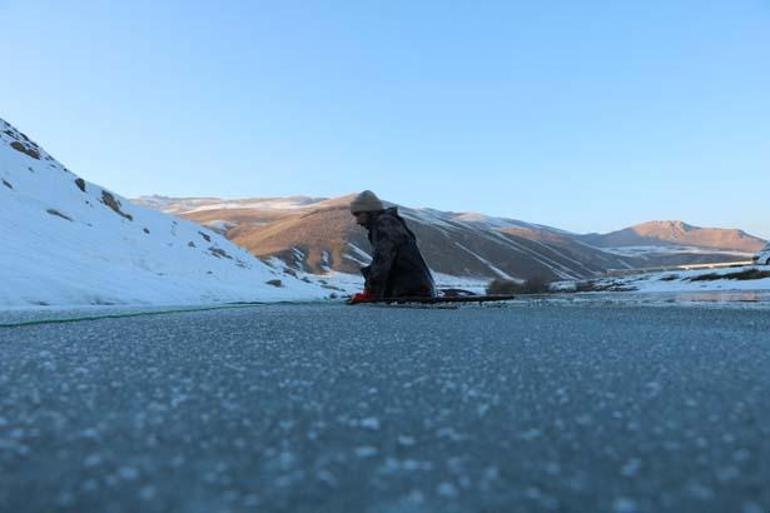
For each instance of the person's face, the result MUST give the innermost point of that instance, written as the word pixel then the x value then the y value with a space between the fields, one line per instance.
pixel 362 218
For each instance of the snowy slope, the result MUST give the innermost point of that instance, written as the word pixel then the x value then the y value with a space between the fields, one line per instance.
pixel 732 279
pixel 64 241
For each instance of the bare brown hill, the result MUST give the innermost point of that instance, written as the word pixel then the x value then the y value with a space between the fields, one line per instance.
pixel 662 233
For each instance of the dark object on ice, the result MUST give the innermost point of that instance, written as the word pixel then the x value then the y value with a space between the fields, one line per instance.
pixel 433 300
pixel 535 285
pixel 398 268
pixel 457 293
pixel 748 274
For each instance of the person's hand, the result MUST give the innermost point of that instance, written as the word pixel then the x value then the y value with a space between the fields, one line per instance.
pixel 361 297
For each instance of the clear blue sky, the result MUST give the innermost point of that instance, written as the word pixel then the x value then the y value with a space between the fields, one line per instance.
pixel 588 115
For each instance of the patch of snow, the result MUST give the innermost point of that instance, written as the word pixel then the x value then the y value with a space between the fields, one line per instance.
pixel 299 258
pixel 258 204
pixel 486 262
pixel 472 284
pixel 219 226
pixel 359 256
pixel 560 270
pixel 634 251
pixel 490 222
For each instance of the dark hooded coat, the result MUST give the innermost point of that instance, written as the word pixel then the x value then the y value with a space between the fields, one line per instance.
pixel 398 268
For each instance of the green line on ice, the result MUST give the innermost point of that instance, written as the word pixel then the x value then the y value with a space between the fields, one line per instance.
pixel 136 314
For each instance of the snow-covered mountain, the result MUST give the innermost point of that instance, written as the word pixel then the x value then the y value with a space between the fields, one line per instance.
pixel 188 205
pixel 317 236
pixel 321 236
pixel 65 241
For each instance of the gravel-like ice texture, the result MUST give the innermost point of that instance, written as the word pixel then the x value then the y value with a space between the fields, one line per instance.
pixel 337 409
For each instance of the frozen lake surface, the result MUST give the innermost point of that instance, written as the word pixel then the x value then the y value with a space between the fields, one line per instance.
pixel 562 404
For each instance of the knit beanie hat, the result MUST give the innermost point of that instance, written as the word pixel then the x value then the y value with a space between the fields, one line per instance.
pixel 367 201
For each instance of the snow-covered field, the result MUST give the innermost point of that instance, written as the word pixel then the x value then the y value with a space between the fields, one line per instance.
pixel 745 278
pixel 66 241
pixel 634 251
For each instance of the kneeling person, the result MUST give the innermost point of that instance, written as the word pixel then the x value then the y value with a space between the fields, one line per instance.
pixel 398 268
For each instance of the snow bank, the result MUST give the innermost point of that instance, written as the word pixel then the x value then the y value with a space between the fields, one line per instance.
pixel 745 278
pixel 66 241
